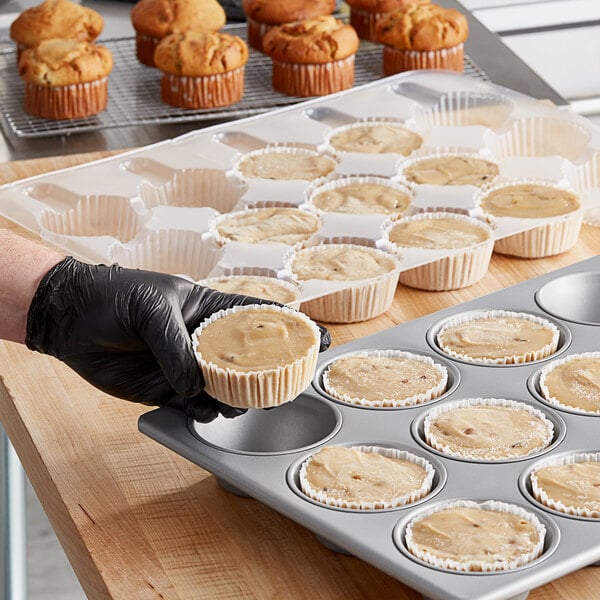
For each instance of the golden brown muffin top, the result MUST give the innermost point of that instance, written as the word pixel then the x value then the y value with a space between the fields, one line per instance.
pixel 54 63
pixel 158 18
pixel 312 41
pixel 383 6
pixel 423 27
pixel 56 19
pixel 196 54
pixel 275 13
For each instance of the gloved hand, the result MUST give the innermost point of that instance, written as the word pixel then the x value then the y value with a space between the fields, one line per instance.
pixel 127 332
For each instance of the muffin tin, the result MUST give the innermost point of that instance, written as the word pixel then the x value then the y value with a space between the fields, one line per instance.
pixel 259 454
pixel 152 207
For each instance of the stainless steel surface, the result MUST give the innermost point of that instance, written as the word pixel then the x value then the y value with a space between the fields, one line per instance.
pixel 13 576
pixel 375 536
pixel 493 57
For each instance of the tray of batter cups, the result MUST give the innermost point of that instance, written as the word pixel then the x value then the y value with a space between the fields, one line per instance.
pixel 457 452
pixel 417 178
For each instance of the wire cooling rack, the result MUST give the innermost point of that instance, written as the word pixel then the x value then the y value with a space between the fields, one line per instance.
pixel 134 92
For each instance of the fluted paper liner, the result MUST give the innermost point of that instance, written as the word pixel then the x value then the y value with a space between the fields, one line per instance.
pixel 315 190
pixel 545 392
pixel 304 80
pixel 194 188
pixel 174 251
pixel 420 398
pixel 541 496
pixel 530 356
pixel 473 565
pixel 545 236
pixel 288 286
pixel 437 411
pixel 461 267
pixel 258 389
pixel 365 23
pixel 364 299
pixel 466 108
pixel 396 60
pixel 95 216
pixel 145 45
pixel 322 497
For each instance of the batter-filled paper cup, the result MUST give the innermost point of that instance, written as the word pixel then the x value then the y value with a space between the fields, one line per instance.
pixel 531 550
pixel 265 387
pixel 408 497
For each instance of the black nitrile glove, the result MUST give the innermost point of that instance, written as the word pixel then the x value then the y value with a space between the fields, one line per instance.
pixel 127 332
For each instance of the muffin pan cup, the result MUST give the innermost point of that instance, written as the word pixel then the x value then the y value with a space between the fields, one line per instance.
pixel 377 536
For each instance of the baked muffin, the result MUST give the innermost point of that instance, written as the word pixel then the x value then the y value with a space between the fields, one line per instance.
pixel 423 36
pixel 263 15
pixel 155 19
pixel 372 274
pixel 498 337
pixel 265 226
pixel 365 477
pixel 313 57
pixel 558 209
pixel 284 163
pixel 55 19
pixel 361 196
pixel 201 70
pixel 65 79
pixel 569 484
pixel 267 288
pixel 365 14
pixel 466 244
pixel 257 356
pixel 471 536
pixel 385 379
pixel 487 429
pixel 573 382
pixel 446 168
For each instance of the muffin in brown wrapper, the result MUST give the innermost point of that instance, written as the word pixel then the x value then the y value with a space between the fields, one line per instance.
pixel 153 20
pixel 422 36
pixel 314 57
pixel 201 70
pixel 65 79
pixel 55 19
pixel 263 15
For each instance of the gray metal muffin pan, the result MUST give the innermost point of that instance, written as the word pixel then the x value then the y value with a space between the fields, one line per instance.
pixel 259 454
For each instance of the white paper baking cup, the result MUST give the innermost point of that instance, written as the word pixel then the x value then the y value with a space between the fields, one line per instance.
pixel 466 108
pixel 95 215
pixel 258 389
pixel 323 498
pixel 542 136
pixel 531 355
pixel 363 298
pixel 174 251
pixel 314 191
pixel 480 454
pixel 547 394
pixel 194 188
pixel 476 565
pixel 542 496
pixel 542 237
pixel 424 154
pixel 282 151
pixel 460 267
pixel 288 287
pixel 419 398
pixel 218 220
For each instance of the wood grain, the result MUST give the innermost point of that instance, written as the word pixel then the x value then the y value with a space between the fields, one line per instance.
pixel 138 521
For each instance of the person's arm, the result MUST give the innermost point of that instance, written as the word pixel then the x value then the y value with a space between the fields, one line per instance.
pixel 22 265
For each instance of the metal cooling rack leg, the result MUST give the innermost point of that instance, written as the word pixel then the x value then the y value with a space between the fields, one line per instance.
pixel 13 581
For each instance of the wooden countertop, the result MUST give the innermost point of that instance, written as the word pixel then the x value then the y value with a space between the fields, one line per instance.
pixel 138 521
